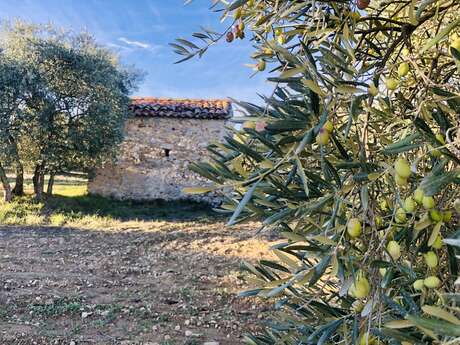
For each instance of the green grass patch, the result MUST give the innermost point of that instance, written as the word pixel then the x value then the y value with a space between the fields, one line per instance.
pixel 70 190
pixel 67 186
pixel 21 211
pixel 61 306
pixel 71 205
pixel 4 313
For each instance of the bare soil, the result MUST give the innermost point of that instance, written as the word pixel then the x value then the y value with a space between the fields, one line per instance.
pixel 140 282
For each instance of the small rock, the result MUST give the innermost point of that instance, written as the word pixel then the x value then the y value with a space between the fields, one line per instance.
pixel 211 343
pixel 170 301
pixel 177 328
pixel 72 343
pixel 188 333
pixel 85 314
pixel 49 301
pixel 167 337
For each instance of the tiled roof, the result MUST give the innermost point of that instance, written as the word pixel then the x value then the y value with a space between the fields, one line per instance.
pixel 181 108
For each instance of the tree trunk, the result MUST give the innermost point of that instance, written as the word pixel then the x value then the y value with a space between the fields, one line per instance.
pixel 8 196
pixel 35 178
pixel 39 181
pixel 19 184
pixel 41 186
pixel 49 189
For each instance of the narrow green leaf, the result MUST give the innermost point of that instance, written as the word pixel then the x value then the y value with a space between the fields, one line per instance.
pixel 437 326
pixel 302 175
pixel 234 5
pixel 443 33
pixel 320 268
pixel 441 314
pixel 432 184
pixel 197 190
pixel 243 203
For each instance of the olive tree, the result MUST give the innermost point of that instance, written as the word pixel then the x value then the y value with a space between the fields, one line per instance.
pixel 76 99
pixel 12 119
pixel 354 158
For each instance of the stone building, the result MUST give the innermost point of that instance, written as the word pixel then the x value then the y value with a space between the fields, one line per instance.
pixel 162 137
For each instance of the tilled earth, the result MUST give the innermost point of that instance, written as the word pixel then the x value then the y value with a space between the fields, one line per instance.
pixel 158 282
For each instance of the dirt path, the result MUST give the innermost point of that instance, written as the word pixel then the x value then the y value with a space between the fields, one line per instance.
pixel 155 282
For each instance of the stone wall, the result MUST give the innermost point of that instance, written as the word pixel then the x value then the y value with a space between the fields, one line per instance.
pixel 154 158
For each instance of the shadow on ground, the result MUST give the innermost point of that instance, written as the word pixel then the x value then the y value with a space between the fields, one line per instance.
pixel 131 210
pixel 71 201
pixel 83 211
pixel 93 270
pixel 165 282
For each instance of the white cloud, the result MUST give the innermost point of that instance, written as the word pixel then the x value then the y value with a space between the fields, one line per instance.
pixel 136 44
pixel 119 47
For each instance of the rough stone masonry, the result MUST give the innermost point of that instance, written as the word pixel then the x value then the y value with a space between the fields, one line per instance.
pixel 162 137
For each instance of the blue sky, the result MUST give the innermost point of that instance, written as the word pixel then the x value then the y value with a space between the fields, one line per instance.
pixel 140 30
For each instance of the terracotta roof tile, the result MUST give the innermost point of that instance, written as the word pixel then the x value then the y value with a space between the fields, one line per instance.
pixel 219 109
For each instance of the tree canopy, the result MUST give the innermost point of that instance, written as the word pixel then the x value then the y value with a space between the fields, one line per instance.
pixel 73 102
pixel 354 158
pixel 12 83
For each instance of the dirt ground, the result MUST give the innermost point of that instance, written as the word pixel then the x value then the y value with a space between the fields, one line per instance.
pixel 147 282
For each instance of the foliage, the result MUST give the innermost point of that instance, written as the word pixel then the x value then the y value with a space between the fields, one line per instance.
pixel 355 160
pixel 12 80
pixel 12 88
pixel 74 101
